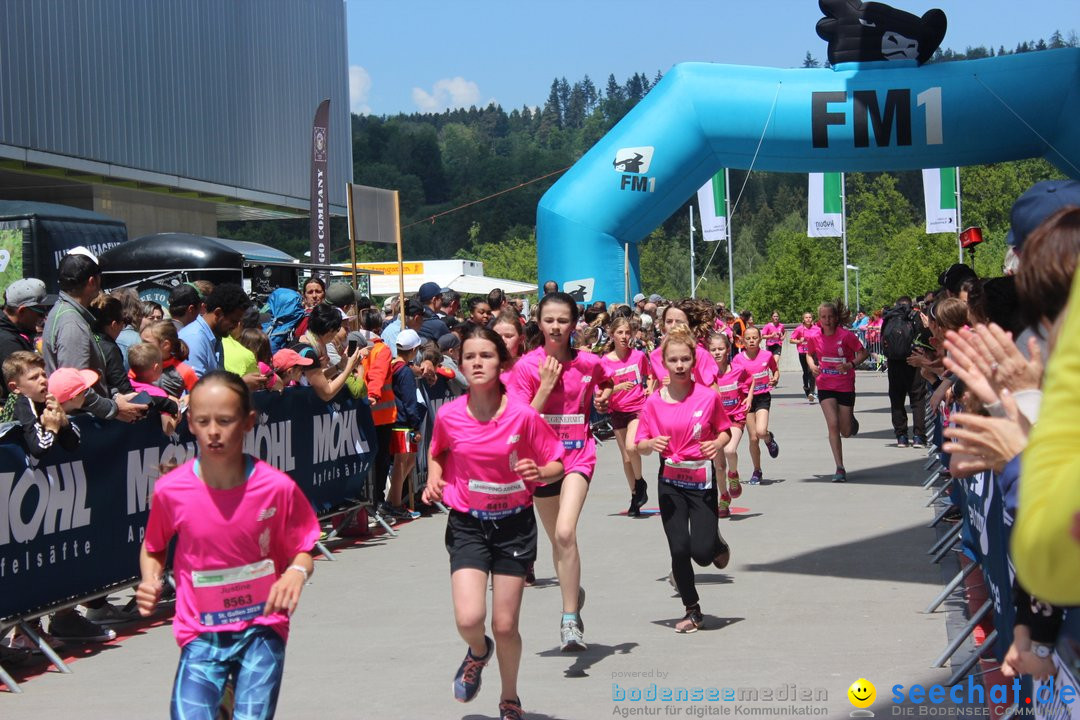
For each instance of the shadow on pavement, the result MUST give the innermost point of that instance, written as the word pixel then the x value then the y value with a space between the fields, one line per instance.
pixel 903 473
pixel 898 556
pixel 585 660
pixel 712 622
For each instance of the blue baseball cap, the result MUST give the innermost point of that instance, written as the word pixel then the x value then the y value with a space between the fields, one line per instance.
pixel 1039 202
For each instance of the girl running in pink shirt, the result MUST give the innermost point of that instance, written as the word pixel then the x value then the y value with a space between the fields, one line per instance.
pixel 684 313
pixel 244 531
pixel 733 386
pixel 760 366
pixel 489 453
pixel 563 384
pixel 685 422
pixel 773 335
pixel 800 338
pixel 629 371
pixel 833 355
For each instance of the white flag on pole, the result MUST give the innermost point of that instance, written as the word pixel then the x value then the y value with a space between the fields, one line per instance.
pixel 711 203
pixel 939 197
pixel 826 206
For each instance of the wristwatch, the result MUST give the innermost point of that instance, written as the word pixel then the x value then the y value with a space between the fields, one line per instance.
pixel 1041 650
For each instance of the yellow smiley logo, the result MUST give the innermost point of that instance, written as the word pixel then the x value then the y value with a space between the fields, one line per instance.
pixel 862 693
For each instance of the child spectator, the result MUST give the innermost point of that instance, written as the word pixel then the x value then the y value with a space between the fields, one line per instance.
pixel 43 420
pixel 406 435
pixel 177 377
pixel 289 366
pixel 258 342
pixel 145 361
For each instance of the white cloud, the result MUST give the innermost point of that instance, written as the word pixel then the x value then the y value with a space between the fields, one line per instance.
pixel 359 87
pixel 455 92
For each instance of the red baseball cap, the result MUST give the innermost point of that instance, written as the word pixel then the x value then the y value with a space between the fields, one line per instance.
pixel 286 358
pixel 68 383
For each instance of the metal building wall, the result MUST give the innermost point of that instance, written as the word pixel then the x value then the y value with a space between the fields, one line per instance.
pixel 221 91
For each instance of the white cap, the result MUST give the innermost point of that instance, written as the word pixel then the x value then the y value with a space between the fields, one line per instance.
pixel 408 340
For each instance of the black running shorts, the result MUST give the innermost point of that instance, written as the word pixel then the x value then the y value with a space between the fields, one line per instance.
pixel 621 420
pixel 761 402
pixel 847 399
pixel 500 547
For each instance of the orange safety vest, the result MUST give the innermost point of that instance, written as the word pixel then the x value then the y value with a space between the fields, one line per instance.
pixel 380 383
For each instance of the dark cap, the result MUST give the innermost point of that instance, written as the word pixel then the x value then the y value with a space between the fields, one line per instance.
pixel 428 291
pixel 953 278
pixel 1039 202
pixel 449 341
pixel 340 294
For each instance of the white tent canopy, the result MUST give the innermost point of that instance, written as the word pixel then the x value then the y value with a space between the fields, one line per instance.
pixel 465 276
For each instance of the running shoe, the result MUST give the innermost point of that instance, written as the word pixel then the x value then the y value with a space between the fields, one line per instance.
pixel 108 614
pixel 920 441
pixel 573 635
pixel 840 475
pixel 772 446
pixel 724 556
pixel 70 626
pixel 734 487
pixel 755 478
pixel 854 426
pixel 723 506
pixel 691 622
pixel 467 680
pixel 639 497
pixel 511 710
pixel 901 441
pixel 812 398
pixel 402 513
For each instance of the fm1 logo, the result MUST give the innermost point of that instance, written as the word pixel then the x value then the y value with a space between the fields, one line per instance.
pixel 869 112
pixel 633 164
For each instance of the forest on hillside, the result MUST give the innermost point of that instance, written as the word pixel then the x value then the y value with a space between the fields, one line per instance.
pixel 486 169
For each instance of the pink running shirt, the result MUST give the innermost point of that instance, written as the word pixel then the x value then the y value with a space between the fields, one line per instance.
pixel 232 545
pixel 760 369
pixel 803 332
pixel 567 408
pixel 830 351
pixel 634 369
pixel 704 366
pixel 772 328
pixel 698 417
pixel 478 458
pixel 733 387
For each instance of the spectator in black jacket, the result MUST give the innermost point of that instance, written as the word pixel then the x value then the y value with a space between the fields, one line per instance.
pixel 43 420
pixel 405 440
pixel 899 330
pixel 433 327
pixel 108 314
pixel 25 306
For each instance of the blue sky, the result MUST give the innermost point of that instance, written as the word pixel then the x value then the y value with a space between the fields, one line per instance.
pixel 423 55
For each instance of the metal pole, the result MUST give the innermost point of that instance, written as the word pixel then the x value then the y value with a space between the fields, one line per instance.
pixel 727 228
pixel 858 306
pixel 693 285
pixel 953 584
pixel 959 247
pixel 843 234
pixel 626 273
pixel 352 234
pixel 961 636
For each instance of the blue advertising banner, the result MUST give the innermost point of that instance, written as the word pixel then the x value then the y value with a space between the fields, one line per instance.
pixel 72 523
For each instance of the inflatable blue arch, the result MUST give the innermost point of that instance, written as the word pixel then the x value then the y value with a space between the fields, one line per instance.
pixel 857 116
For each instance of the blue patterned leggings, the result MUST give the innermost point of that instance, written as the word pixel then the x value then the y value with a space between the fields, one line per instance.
pixel 253 658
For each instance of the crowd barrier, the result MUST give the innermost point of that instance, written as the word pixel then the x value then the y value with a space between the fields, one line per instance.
pixel 980 541
pixel 72 523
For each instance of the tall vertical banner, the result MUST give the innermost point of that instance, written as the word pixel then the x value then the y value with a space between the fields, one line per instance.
pixel 825 216
pixel 712 204
pixel 939 197
pixel 319 229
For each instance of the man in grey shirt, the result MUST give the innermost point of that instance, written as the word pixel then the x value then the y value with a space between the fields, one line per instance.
pixel 69 341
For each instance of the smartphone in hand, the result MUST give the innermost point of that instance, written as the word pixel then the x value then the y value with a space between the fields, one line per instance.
pixel 351 349
pixel 142 398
